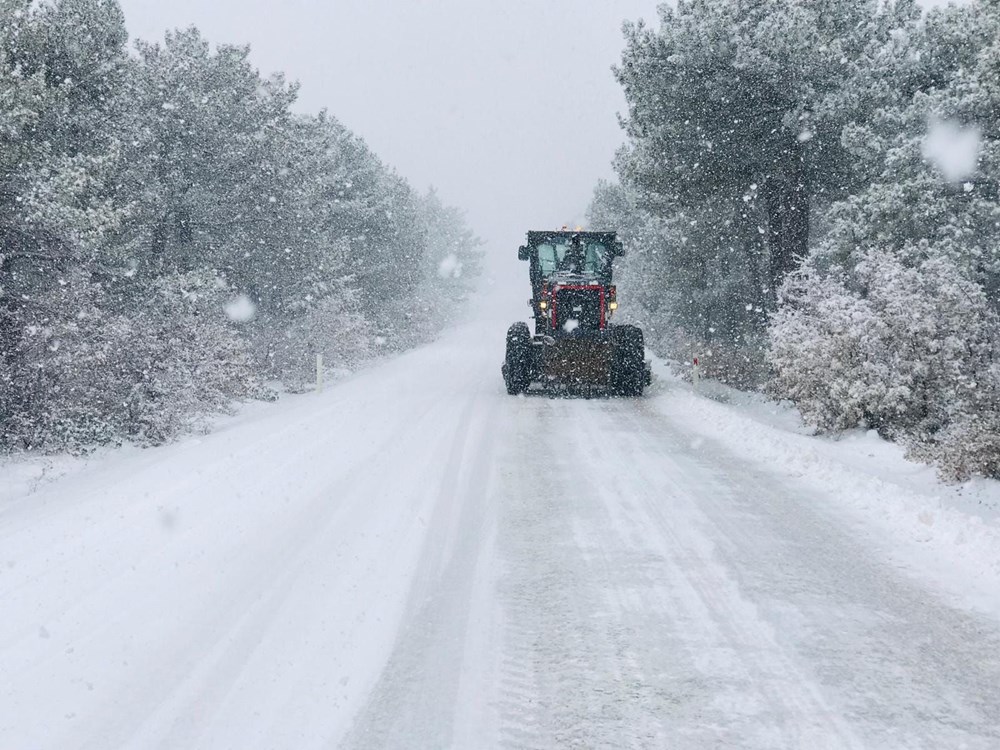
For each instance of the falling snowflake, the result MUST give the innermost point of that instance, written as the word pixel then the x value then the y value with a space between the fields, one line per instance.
pixel 241 309
pixel 952 148
pixel 450 268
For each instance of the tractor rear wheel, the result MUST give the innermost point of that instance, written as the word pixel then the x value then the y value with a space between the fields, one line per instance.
pixel 628 368
pixel 517 362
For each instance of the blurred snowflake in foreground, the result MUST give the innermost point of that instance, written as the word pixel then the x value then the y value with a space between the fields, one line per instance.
pixel 952 148
pixel 450 268
pixel 241 309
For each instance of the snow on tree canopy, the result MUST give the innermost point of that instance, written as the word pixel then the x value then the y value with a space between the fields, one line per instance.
pixel 773 151
pixel 137 197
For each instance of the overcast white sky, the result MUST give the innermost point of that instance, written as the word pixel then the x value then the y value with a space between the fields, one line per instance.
pixel 508 107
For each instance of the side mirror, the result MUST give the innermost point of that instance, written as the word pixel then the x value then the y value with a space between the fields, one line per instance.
pixel 524 252
pixel 618 249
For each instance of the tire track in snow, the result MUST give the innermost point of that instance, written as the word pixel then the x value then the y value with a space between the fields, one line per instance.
pixel 810 601
pixel 760 695
pixel 227 632
pixel 102 612
pixel 417 702
pixel 566 682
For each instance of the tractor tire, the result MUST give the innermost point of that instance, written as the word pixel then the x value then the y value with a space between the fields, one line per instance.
pixel 517 362
pixel 628 368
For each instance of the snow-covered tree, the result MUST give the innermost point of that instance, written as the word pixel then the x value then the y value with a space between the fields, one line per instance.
pixel 171 233
pixel 332 326
pixel 451 263
pixel 934 162
pixel 893 321
pixel 97 376
pixel 737 109
pixel 852 149
pixel 203 161
pixel 58 66
pixel 734 150
pixel 694 285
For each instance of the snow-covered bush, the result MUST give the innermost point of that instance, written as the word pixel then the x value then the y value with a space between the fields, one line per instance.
pixel 909 351
pixel 82 374
pixel 194 361
pixel 969 446
pixel 332 327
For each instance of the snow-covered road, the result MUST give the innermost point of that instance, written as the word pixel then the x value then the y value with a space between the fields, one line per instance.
pixel 414 559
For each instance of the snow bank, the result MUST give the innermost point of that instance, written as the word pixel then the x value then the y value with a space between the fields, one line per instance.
pixel 946 534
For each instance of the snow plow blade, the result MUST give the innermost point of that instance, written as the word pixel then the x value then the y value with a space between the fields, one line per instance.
pixel 577 362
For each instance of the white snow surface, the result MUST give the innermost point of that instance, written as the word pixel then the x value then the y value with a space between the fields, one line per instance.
pixel 414 559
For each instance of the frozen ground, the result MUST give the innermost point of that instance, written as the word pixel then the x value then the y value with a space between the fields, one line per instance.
pixel 414 559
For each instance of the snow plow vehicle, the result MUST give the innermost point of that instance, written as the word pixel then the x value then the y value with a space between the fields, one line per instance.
pixel 575 346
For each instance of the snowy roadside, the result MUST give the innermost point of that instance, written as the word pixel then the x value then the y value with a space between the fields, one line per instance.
pixel 23 475
pixel 946 534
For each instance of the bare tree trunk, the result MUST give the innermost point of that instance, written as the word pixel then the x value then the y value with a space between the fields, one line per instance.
pixel 787 205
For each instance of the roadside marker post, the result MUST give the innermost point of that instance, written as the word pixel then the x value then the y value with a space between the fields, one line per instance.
pixel 319 373
pixel 695 375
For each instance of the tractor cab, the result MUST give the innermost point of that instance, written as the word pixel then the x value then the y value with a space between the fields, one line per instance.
pixel 580 253
pixel 575 269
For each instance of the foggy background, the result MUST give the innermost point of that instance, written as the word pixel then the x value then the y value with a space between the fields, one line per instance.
pixel 507 107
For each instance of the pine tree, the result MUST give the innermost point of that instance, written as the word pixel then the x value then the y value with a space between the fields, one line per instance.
pixel 171 234
pixel 736 110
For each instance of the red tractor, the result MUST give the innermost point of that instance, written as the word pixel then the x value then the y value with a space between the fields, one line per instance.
pixel 575 345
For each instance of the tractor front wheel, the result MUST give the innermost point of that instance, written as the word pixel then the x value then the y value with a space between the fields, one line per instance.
pixel 517 362
pixel 628 373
